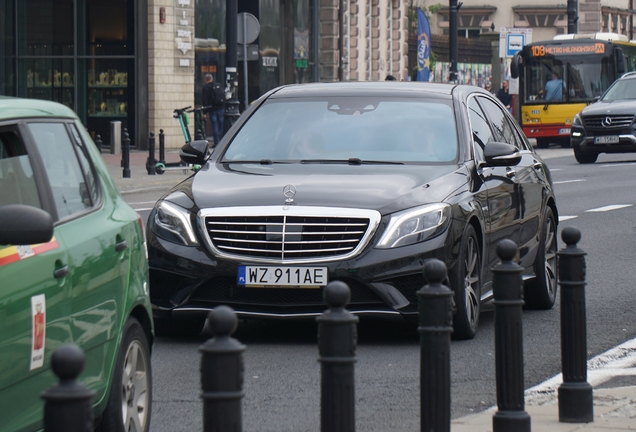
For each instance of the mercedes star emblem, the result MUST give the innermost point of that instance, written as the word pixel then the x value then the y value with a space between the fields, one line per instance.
pixel 289 191
pixel 606 122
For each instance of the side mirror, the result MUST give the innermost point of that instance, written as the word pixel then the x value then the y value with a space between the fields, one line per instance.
pixel 195 152
pixel 515 65
pixel 501 154
pixel 24 225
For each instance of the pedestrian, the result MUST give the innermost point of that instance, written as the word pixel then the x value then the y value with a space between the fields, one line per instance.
pixel 504 96
pixel 488 87
pixel 213 98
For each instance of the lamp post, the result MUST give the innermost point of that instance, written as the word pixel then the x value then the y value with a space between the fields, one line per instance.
pixel 231 62
pixel 454 10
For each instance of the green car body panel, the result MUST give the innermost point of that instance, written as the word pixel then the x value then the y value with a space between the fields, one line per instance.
pixel 105 285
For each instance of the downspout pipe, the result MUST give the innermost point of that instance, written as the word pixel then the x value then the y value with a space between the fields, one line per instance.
pixel 341 69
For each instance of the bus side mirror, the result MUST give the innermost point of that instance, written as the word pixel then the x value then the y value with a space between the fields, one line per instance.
pixel 514 66
pixel 620 60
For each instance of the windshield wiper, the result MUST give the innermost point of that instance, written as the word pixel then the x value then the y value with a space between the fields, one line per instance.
pixel 261 162
pixel 350 161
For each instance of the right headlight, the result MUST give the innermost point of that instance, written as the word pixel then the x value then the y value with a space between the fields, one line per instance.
pixel 577 121
pixel 172 223
pixel 415 225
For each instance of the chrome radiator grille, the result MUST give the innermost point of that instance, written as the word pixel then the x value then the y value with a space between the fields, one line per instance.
pixel 289 235
pixel 605 122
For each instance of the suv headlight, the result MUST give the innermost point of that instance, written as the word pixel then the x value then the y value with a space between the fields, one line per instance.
pixel 415 225
pixel 577 121
pixel 172 223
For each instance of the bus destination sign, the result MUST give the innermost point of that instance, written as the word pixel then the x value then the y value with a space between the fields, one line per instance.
pixel 573 49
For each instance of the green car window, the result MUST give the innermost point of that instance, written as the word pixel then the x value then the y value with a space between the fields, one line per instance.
pixel 17 184
pixel 62 168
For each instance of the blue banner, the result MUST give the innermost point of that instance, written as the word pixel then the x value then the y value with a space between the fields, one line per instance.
pixel 423 47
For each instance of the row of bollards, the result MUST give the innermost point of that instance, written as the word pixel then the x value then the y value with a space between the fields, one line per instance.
pixel 67 405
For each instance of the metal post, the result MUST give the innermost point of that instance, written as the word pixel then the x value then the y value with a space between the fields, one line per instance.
pixel 576 400
pixel 222 371
pixel 452 31
pixel 125 152
pixel 162 147
pixel 151 165
pixel 67 406
pixel 572 11
pixel 436 324
pixel 337 336
pixel 508 294
pixel 231 62
pixel 98 142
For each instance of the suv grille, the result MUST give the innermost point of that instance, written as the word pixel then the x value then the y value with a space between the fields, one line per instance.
pixel 611 122
pixel 294 234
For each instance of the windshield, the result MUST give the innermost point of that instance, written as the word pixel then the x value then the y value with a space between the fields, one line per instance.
pixel 578 78
pixel 621 90
pixel 347 128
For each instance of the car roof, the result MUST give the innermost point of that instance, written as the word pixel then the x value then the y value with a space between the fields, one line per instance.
pixel 395 88
pixel 13 108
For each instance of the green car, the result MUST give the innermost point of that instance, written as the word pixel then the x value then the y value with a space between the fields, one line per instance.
pixel 73 269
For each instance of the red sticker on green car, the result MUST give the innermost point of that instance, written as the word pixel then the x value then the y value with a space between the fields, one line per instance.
pixel 12 254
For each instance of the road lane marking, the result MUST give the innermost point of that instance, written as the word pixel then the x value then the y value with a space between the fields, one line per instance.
pixel 608 208
pixel 619 164
pixel 564 218
pixel 569 181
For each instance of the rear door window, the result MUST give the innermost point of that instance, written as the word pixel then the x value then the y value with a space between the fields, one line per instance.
pixel 17 182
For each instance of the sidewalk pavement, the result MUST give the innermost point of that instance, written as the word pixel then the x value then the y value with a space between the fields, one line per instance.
pixel 611 374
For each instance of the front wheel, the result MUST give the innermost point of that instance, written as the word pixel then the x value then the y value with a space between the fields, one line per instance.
pixel 585 158
pixel 541 292
pixel 129 402
pixel 465 281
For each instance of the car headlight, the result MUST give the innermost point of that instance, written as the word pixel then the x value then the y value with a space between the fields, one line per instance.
pixel 172 223
pixel 415 225
pixel 577 121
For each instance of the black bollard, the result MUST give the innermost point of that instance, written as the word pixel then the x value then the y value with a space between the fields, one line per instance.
pixel 222 372
pixel 151 165
pixel 98 142
pixel 337 339
pixel 436 325
pixel 508 301
pixel 162 147
pixel 576 399
pixel 67 405
pixel 125 153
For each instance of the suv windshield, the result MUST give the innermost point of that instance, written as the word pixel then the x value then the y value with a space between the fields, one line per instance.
pixel 341 129
pixel 624 89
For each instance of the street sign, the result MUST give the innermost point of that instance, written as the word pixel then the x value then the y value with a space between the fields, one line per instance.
pixel 252 52
pixel 512 40
pixel 252 28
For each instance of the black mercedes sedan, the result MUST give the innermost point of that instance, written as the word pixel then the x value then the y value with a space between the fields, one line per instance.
pixel 356 182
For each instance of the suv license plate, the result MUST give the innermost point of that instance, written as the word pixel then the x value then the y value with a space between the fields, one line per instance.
pixel 282 277
pixel 611 139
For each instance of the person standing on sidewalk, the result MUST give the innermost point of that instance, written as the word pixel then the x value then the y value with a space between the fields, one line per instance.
pixel 504 96
pixel 213 96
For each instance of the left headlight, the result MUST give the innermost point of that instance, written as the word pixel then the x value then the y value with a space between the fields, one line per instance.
pixel 172 223
pixel 415 225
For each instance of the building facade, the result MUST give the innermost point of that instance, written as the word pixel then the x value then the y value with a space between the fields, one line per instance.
pixel 136 61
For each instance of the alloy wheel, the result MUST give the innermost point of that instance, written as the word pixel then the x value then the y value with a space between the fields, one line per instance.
pixel 471 280
pixel 135 388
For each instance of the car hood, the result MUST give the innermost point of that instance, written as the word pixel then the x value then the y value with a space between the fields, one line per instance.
pixel 613 107
pixel 385 188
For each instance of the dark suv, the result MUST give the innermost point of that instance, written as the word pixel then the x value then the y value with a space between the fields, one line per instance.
pixel 607 126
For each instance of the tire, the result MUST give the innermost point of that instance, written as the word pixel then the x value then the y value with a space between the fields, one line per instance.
pixel 130 399
pixel 543 143
pixel 541 292
pixel 585 158
pixel 466 280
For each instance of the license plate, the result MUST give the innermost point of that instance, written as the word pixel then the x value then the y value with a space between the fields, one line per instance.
pixel 564 131
pixel 611 139
pixel 282 277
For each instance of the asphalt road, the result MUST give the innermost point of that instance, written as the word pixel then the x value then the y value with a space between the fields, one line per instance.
pixel 282 374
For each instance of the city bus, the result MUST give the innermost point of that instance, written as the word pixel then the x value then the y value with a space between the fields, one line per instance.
pixel 560 77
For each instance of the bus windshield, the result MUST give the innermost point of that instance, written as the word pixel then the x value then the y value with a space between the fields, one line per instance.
pixel 577 78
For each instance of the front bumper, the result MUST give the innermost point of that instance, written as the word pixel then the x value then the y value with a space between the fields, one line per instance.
pixel 585 144
pixel 188 282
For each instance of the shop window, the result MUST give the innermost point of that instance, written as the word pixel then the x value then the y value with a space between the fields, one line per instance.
pixel 45 27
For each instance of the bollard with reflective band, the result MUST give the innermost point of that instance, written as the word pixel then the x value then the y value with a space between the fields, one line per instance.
pixel 436 325
pixel 162 147
pixel 222 371
pixel 151 164
pixel 576 399
pixel 337 339
pixel 67 406
pixel 125 153
pixel 508 294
